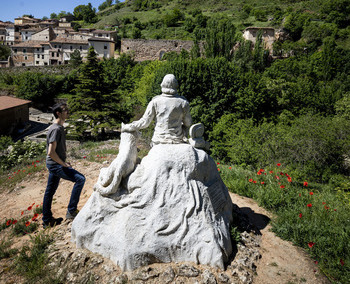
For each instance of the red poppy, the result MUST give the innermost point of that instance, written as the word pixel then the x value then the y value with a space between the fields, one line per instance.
pixel 306 183
pixel 289 179
pixel 299 194
pixel 14 221
pixel 84 157
pixel 258 173
pixel 8 223
pixel 37 161
pixel 262 182
pixel 282 186
pixel 33 203
pixel 271 172
pixel 23 170
pixel 33 219
pixel 230 168
pixel 218 169
pixel 323 203
pixel 30 208
pixel 18 171
pixel 335 209
pixel 37 206
pixel 311 193
pixel 218 163
pixel 27 223
pixel 32 163
pixel 300 215
pixel 9 177
pixel 326 207
pixel 342 262
pixel 309 205
pixel 311 244
pixel 250 180
pixel 254 181
pixel 278 164
pixel 22 212
pixel 316 262
pixel 36 215
pixel 34 166
pixel 281 173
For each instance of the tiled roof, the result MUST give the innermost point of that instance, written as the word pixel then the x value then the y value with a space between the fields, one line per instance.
pixel 7 102
pixel 30 43
pixel 68 40
pixel 100 39
pixel 102 31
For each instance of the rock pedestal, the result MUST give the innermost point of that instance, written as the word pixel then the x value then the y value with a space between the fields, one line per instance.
pixel 173 207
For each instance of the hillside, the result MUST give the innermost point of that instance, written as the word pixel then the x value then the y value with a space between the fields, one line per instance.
pixel 183 19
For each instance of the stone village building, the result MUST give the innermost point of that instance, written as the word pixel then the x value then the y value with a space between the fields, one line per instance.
pixel 37 43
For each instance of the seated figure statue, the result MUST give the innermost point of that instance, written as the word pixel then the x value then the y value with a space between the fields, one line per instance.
pixel 171 207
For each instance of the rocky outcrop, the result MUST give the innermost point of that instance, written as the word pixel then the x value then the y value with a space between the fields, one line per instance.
pixel 72 265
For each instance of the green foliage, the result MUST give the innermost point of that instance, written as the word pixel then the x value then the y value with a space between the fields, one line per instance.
pixel 86 13
pixel 24 226
pixel 294 24
pixel 342 107
pixel 312 146
pixel 220 38
pixel 105 5
pixel 336 11
pixel 98 103
pixel 310 216
pixel 32 258
pixel 38 87
pixel 21 152
pixel 5 142
pixel 5 249
pixel 75 58
pixel 171 19
pixel 5 52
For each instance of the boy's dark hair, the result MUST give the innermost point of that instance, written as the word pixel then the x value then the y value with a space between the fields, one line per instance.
pixel 58 108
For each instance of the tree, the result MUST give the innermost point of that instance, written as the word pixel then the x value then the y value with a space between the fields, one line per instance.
pixel 220 38
pixel 75 58
pixel 53 16
pixel 93 106
pixel 105 5
pixel 5 52
pixel 86 13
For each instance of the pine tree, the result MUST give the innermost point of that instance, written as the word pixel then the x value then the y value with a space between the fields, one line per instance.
pixel 93 107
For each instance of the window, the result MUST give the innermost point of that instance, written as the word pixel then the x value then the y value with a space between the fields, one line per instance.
pixel 53 54
pixel 37 49
pixel 42 49
pixel 80 47
pixel 24 50
pixel 26 37
pixel 45 63
pixel 99 35
pixel 38 56
pixel 55 45
pixel 15 50
pixel 57 54
pixel 42 56
pixel 71 47
pixel 105 47
pixel 37 62
pixel 25 57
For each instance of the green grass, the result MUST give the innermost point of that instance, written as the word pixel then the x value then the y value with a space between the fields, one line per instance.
pixel 33 258
pixel 313 216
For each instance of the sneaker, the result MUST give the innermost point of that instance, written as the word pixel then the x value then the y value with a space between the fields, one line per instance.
pixel 70 215
pixel 53 222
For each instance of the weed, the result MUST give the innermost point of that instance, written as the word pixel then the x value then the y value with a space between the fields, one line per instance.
pixel 32 259
pixel 5 249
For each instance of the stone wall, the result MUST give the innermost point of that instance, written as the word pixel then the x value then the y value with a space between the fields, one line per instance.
pixel 144 49
pixel 268 36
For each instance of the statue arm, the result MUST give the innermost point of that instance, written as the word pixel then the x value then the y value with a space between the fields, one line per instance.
pixel 142 123
pixel 187 121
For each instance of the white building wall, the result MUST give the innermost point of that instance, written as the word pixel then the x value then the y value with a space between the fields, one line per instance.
pixel 42 55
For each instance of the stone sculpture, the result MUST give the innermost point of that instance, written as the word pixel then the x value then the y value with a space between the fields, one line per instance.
pixel 172 207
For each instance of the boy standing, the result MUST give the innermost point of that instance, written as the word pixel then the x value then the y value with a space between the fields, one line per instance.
pixel 59 168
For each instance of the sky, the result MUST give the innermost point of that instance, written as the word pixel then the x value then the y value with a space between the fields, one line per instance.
pixel 11 9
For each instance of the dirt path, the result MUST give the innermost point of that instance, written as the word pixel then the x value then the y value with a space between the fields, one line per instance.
pixel 281 262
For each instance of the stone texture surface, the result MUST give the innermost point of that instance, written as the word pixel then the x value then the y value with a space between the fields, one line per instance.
pixel 177 209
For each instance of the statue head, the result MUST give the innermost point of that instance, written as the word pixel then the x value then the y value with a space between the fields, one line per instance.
pixel 169 85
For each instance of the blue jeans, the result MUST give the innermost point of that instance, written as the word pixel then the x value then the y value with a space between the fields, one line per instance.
pixel 56 172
